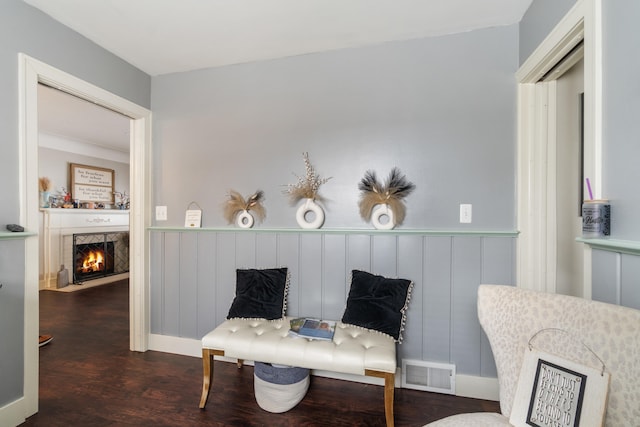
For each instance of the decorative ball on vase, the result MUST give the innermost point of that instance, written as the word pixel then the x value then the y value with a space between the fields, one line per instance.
pixel 310 213
pixel 241 211
pixel 384 201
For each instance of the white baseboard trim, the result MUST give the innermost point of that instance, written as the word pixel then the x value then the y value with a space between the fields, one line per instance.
pixel 466 385
pixel 477 387
pixel 12 414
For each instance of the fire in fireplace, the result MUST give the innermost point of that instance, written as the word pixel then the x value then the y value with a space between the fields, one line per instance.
pixel 98 255
pixel 93 260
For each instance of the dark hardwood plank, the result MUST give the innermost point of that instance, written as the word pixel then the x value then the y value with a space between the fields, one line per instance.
pixel 88 377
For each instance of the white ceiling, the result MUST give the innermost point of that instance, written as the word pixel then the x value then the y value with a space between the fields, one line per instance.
pixel 68 122
pixel 168 36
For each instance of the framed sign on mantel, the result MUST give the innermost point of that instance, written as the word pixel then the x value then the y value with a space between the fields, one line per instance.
pixel 91 183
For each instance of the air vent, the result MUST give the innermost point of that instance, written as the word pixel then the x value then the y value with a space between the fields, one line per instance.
pixel 429 376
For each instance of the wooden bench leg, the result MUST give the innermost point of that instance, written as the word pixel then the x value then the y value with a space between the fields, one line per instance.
pixel 207 371
pixel 389 384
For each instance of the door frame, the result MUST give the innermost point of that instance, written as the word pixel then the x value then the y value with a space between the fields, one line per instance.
pixel 31 73
pixel 536 157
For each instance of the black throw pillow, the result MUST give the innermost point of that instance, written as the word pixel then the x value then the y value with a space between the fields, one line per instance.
pixel 378 303
pixel 260 294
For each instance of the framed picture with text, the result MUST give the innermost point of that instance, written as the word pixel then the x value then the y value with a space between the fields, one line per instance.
pixel 92 184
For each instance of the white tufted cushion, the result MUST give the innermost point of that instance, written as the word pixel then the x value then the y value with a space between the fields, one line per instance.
pixel 352 351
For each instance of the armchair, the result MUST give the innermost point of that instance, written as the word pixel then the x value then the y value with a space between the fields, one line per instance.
pixel 512 316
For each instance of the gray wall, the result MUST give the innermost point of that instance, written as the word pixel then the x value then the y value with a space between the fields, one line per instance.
pixel 541 17
pixel 616 274
pixel 621 127
pixel 54 164
pixel 24 29
pixel 442 109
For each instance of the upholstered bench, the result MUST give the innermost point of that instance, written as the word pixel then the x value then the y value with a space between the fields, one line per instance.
pixel 354 350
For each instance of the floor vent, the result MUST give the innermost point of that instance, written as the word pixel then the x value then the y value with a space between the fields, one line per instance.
pixel 429 376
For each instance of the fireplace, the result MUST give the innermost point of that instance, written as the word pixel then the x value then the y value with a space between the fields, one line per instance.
pixel 97 255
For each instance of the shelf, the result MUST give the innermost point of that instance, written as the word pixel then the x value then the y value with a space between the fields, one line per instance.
pixel 623 246
pixel 487 233
pixel 8 235
pixel 85 211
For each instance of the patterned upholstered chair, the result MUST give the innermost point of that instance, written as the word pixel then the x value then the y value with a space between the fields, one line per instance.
pixel 512 316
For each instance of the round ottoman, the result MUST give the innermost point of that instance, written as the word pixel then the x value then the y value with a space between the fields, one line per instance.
pixel 279 388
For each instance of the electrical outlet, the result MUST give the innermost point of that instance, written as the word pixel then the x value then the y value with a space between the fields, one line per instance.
pixel 161 213
pixel 465 213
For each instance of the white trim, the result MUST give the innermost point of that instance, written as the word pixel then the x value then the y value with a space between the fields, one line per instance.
pixel 32 72
pixel 477 387
pixel 13 414
pixel 552 184
pixel 466 385
pixel 583 21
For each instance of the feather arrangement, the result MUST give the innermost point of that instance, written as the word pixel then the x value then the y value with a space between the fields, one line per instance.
pixel 236 203
pixel 391 193
pixel 44 183
pixel 307 186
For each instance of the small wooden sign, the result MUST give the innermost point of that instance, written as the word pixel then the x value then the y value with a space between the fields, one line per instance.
pixel 193 217
pixel 553 392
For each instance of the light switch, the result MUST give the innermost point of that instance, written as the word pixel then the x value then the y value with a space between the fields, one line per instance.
pixel 161 213
pixel 465 213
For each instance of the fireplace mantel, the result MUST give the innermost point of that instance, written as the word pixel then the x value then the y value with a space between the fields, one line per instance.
pixel 58 224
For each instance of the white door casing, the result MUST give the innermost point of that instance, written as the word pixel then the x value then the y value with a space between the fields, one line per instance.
pixel 536 203
pixel 31 73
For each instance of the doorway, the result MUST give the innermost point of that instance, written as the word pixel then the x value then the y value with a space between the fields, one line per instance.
pixel 73 131
pixel 537 187
pixel 569 175
pixel 32 72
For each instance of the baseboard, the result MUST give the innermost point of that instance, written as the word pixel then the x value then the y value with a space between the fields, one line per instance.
pixel 477 387
pixel 466 385
pixel 12 414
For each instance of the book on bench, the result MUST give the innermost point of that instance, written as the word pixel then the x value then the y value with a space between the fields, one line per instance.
pixel 316 329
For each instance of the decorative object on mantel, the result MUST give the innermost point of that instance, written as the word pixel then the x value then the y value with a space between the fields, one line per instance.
pixel 193 217
pixel 378 201
pixel 242 211
pixel 122 199
pixel 307 189
pixel 65 198
pixel 44 185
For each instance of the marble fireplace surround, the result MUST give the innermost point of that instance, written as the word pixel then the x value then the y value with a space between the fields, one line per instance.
pixel 56 237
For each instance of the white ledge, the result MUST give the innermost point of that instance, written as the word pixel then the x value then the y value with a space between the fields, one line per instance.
pixel 613 245
pixel 395 231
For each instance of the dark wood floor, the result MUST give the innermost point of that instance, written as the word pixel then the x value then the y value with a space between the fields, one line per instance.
pixel 88 377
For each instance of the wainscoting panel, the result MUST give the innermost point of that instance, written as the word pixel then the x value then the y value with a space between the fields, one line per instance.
pixel 193 281
pixel 630 280
pixel 605 276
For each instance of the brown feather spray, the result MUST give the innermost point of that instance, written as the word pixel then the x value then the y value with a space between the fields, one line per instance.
pixel 236 203
pixel 395 188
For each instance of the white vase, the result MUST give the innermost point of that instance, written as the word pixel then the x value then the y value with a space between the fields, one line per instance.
pixel 378 216
pixel 244 219
pixel 308 206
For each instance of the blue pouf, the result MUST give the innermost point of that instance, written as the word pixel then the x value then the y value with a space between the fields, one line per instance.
pixel 279 388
